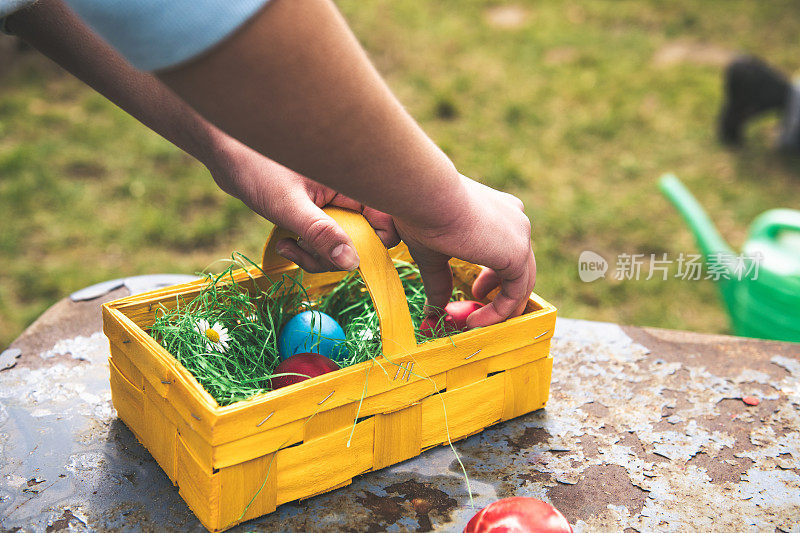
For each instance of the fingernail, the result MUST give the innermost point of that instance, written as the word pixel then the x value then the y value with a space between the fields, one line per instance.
pixel 345 257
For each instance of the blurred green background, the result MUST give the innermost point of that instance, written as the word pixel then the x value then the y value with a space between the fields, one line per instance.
pixel 576 107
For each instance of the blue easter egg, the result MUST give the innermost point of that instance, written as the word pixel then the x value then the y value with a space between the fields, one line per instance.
pixel 312 331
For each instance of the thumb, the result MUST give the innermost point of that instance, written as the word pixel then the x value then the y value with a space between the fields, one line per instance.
pixel 323 243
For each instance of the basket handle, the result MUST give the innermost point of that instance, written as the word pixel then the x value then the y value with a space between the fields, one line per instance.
pixel 377 271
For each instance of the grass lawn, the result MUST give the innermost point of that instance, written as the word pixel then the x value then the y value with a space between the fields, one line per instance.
pixel 576 107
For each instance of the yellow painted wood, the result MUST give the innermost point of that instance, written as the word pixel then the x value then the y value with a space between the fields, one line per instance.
pixel 382 281
pixel 126 367
pixel 159 367
pixel 163 373
pixel 326 422
pixel 464 273
pixel 130 339
pixel 324 462
pixel 198 488
pixel 514 358
pixel 270 260
pixel 523 384
pixel 466 374
pixel 397 436
pixel 400 398
pixel 247 490
pixel 200 448
pixel 464 341
pixel 465 410
pixel 339 486
pixel 401 253
pixel 128 400
pixel 246 448
pixel 160 438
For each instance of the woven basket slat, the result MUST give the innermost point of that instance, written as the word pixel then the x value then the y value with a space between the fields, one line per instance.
pixel 398 436
pixel 324 462
pixel 127 399
pixel 194 441
pixel 467 409
pixel 466 374
pixel 199 488
pixel 522 384
pixel 126 367
pixel 122 333
pixel 268 441
pixel 160 436
pixel 401 397
pixel 246 482
pixel 514 358
pixel 339 486
pixel 325 422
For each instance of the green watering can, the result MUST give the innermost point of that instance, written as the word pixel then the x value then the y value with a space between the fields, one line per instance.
pixel 761 286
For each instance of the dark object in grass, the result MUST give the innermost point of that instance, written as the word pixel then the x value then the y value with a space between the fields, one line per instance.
pixel 752 88
pixel 446 109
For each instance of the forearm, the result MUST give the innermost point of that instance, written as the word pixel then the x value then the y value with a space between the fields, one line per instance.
pixel 294 84
pixel 52 28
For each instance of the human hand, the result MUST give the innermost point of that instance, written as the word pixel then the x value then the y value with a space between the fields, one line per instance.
pixel 485 227
pixel 294 202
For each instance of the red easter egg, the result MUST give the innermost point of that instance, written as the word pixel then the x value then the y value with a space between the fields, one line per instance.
pixel 518 515
pixel 433 325
pixel 455 318
pixel 308 364
pixel 460 311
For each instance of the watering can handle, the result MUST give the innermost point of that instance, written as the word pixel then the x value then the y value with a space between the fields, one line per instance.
pixel 770 223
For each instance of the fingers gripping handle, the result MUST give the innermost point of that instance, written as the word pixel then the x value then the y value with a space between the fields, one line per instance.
pixel 378 272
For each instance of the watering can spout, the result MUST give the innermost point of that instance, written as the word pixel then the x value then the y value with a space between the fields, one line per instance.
pixel 712 245
pixel 708 238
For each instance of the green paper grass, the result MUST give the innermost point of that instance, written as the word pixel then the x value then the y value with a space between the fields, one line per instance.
pixel 236 359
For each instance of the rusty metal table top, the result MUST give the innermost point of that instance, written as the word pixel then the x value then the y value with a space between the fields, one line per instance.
pixel 646 430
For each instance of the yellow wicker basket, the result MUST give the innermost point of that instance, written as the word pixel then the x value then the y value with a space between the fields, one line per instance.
pixel 240 461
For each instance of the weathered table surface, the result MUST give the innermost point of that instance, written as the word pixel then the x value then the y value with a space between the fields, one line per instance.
pixel 645 430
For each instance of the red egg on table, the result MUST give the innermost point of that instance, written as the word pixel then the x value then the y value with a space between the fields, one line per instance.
pixel 518 515
pixel 454 321
pixel 309 365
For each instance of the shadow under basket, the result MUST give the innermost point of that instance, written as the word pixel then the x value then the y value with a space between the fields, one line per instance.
pixel 241 461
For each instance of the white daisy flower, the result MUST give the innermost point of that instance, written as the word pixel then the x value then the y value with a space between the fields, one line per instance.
pixel 216 335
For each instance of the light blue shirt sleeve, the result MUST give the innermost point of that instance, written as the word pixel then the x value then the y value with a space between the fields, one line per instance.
pixel 158 34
